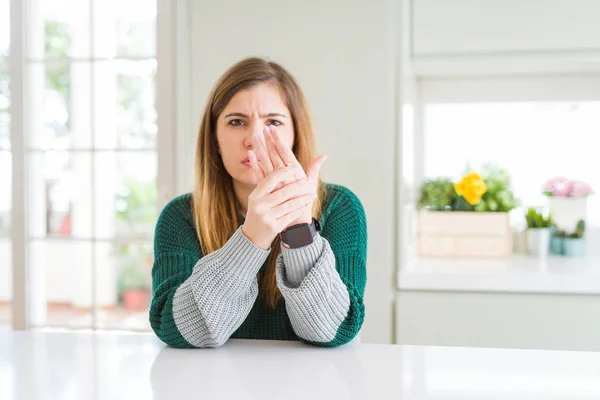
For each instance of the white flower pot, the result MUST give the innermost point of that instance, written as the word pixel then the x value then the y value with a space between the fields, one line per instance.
pixel 567 211
pixel 538 241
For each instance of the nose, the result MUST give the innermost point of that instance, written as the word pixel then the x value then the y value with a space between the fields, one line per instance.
pixel 255 128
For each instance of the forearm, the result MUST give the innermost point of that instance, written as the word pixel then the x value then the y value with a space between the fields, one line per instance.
pixel 322 309
pixel 214 301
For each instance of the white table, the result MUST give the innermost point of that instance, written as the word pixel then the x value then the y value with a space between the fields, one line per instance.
pixel 113 366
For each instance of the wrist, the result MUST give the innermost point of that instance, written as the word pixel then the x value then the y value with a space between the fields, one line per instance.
pixel 256 239
pixel 305 219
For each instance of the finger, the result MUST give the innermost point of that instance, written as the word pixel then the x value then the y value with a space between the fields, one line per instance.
pixel 298 188
pixel 286 154
pixel 272 149
pixel 293 205
pixel 261 154
pixel 287 219
pixel 315 167
pixel 258 173
pixel 269 184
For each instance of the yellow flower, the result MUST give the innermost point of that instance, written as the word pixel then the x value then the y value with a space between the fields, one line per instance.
pixel 471 187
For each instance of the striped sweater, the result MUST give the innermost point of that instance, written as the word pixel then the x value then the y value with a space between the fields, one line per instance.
pixel 203 300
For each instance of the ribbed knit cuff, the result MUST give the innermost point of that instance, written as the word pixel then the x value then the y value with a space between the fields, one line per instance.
pixel 242 256
pixel 319 305
pixel 298 262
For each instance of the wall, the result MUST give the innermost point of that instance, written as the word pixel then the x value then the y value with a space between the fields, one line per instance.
pixel 502 50
pixel 344 57
pixel 509 320
pixel 461 27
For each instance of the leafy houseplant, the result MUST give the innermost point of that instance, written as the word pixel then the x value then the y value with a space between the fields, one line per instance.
pixel 437 195
pixel 489 192
pixel 557 242
pixel 574 242
pixel 539 230
pixel 478 204
pixel 498 196
pixel 136 215
pixel 536 219
pixel 568 200
pixel 134 280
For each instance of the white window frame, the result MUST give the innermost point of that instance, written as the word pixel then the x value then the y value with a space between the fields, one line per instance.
pixel 169 163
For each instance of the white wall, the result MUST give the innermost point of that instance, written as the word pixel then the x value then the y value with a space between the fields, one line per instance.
pixel 455 27
pixel 344 57
pixel 511 50
pixel 467 38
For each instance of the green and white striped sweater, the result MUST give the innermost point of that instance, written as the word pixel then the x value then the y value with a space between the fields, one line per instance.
pixel 202 301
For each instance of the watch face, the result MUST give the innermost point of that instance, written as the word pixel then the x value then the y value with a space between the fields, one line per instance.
pixel 300 236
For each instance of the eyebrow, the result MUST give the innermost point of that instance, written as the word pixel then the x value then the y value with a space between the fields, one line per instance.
pixel 269 115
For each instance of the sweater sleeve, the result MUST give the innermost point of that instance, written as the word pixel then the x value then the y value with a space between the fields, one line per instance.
pixel 200 301
pixel 323 283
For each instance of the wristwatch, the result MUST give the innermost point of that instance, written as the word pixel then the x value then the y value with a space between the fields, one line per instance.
pixel 300 235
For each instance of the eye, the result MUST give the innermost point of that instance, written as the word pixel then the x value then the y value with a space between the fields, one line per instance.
pixel 236 122
pixel 274 122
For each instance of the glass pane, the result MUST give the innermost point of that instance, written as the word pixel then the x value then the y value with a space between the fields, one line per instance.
pixel 125 28
pixel 5 240
pixel 59 193
pixel 5 193
pixel 61 283
pixel 58 29
pixel 4 108
pixel 124 104
pixel 533 141
pixel 123 286
pixel 125 194
pixel 60 106
pixel 4 29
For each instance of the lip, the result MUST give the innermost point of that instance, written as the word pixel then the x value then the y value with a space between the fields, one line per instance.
pixel 246 162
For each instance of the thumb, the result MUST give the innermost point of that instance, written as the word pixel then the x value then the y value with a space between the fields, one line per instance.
pixel 315 167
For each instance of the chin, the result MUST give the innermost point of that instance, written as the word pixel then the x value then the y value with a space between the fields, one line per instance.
pixel 246 179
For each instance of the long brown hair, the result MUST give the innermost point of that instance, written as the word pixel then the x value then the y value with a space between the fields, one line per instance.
pixel 214 204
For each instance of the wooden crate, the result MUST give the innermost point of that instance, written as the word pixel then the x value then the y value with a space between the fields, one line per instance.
pixel 464 234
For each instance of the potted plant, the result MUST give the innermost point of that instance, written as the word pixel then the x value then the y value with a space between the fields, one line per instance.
pixel 567 199
pixel 477 224
pixel 134 279
pixel 539 230
pixel 574 243
pixel 557 242
pixel 437 195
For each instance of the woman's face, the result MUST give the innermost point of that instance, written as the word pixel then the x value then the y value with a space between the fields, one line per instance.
pixel 248 112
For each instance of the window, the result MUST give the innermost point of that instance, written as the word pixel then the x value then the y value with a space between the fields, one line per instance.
pixel 5 171
pixel 534 141
pixel 91 158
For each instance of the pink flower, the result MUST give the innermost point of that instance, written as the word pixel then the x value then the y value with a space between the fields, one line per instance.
pixel 559 186
pixel 581 189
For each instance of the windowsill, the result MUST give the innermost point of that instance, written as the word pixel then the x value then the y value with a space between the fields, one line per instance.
pixel 518 274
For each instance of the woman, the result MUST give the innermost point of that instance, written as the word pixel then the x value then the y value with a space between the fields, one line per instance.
pixel 261 249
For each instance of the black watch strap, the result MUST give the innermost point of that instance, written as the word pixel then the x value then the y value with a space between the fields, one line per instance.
pixel 300 235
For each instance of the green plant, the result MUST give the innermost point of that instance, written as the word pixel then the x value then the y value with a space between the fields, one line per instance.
pixel 536 219
pixel 134 263
pixel 579 230
pixel 134 276
pixel 560 233
pixel 136 201
pixel 437 194
pixel 499 196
